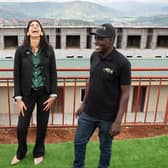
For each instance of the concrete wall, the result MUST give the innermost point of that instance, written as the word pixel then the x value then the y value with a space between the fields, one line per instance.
pixel 82 32
pixel 69 102
pixel 4 100
pixel 153 99
pixel 69 98
pixel 72 31
pixel 11 32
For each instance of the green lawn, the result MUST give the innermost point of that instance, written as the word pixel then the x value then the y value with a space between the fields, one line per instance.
pixel 139 153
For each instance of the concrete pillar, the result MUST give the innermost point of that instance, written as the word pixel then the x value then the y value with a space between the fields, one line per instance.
pixel 93 39
pixel 83 40
pixel 143 42
pixel 154 40
pixel 63 41
pixel 93 42
pixel 52 38
pixel 115 41
pixel 1 42
pixel 124 39
pixel 20 39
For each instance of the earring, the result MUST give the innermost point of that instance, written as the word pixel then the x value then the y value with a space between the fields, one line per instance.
pixel 28 34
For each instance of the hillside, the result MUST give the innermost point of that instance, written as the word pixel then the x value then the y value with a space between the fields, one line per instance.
pixel 68 10
pixel 84 13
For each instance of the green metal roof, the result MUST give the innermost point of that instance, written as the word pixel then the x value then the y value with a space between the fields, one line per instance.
pixel 85 62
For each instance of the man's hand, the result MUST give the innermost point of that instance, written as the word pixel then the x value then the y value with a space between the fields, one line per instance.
pixel 48 103
pixel 21 107
pixel 79 110
pixel 115 129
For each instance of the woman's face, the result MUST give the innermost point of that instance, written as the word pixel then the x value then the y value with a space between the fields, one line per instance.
pixel 34 30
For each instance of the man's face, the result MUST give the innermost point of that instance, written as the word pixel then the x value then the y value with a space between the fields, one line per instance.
pixel 102 45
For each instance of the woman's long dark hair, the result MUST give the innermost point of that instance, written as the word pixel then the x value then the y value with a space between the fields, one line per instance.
pixel 43 39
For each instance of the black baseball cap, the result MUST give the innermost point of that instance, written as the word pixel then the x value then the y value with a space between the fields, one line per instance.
pixel 105 30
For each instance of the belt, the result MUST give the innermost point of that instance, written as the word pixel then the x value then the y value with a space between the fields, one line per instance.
pixel 37 88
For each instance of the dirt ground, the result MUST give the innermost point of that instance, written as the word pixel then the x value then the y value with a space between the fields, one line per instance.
pixel 56 135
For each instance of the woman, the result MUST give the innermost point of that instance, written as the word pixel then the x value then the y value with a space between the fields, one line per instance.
pixel 34 83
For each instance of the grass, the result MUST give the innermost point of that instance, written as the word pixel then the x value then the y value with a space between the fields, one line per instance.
pixel 137 153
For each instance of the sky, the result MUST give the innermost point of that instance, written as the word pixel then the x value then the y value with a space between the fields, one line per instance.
pixel 96 1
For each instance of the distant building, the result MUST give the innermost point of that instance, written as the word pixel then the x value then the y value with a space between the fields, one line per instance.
pixel 75 41
pixel 145 47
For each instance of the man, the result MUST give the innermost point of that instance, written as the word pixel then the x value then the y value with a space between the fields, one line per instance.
pixel 106 97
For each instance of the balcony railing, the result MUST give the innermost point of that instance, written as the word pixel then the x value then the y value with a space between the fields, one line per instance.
pixel 148 103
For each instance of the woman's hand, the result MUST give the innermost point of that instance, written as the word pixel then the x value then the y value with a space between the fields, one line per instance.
pixel 48 103
pixel 21 107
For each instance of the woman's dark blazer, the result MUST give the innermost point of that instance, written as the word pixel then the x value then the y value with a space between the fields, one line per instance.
pixel 23 70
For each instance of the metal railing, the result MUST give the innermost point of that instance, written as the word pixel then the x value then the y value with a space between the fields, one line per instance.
pixel 146 106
